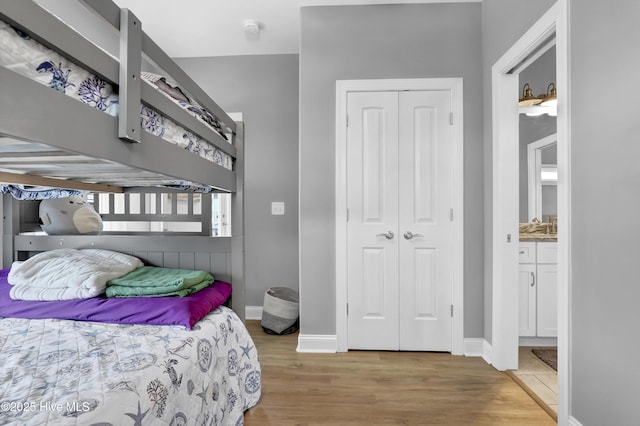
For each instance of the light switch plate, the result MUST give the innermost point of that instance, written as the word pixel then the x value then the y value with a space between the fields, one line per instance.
pixel 277 208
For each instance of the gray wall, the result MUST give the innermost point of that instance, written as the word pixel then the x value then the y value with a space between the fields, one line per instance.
pixel 265 89
pixel 503 23
pixel 604 60
pixel 384 41
pixel 539 74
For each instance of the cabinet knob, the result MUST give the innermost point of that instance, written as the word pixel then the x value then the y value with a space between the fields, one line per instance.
pixel 521 251
pixel 533 279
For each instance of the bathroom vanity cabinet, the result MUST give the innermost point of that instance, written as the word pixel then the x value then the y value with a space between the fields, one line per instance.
pixel 538 288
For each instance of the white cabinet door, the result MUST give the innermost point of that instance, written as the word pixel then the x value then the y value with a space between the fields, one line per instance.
pixel 538 289
pixel 527 299
pixel 547 306
pixel 547 252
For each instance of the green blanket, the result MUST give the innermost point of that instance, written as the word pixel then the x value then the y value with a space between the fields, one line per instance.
pixel 151 281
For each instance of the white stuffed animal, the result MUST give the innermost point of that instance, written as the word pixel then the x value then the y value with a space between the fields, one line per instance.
pixel 68 216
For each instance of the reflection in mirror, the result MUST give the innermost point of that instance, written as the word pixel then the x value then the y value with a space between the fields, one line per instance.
pixel 549 174
pixel 549 192
pixel 542 179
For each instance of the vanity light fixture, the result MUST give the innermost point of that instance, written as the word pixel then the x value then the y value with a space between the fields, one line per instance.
pixel 535 111
pixel 546 103
pixel 527 98
pixel 550 98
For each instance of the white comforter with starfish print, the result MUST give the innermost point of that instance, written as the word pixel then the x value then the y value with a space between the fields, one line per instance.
pixel 61 372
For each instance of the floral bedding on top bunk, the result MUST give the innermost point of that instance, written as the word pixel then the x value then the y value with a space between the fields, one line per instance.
pixel 22 192
pixel 20 53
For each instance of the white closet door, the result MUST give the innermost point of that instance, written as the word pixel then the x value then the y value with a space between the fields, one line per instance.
pixel 399 230
pixel 425 222
pixel 373 220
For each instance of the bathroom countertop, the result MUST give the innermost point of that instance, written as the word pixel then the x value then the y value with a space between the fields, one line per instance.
pixel 539 237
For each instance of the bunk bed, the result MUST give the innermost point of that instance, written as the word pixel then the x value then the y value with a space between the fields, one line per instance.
pixel 145 373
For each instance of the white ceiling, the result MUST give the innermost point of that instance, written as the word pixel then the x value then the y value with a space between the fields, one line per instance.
pixel 193 28
pixel 190 28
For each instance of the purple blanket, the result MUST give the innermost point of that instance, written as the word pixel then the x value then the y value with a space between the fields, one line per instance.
pixel 185 311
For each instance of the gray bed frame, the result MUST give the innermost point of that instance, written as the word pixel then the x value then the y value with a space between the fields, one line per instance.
pixel 32 112
pixel 83 139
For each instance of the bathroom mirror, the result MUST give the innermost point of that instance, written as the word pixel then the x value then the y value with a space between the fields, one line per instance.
pixel 543 178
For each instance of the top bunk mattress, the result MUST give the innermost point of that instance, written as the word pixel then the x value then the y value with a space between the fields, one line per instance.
pixel 21 54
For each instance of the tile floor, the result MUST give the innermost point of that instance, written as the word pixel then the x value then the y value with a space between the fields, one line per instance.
pixel 538 377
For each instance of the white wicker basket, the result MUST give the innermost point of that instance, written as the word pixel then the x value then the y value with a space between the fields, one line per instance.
pixel 280 310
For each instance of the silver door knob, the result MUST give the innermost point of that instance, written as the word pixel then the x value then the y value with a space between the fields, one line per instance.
pixel 409 235
pixel 388 235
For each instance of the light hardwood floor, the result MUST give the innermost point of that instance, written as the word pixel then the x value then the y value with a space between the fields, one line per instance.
pixel 537 379
pixel 383 388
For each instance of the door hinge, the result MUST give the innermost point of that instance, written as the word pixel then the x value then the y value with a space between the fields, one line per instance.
pixel 347 309
pixel 452 311
pixel 451 118
pixel 347 120
pixel 451 214
pixel 347 215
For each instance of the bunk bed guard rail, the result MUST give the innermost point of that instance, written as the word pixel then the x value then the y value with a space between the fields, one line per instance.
pixel 125 73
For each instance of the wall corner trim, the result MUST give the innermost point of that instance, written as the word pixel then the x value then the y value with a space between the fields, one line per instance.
pixel 573 421
pixel 477 346
pixel 473 346
pixel 487 352
pixel 317 343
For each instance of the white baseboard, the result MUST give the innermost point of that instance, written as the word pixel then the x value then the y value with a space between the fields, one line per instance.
pixel 537 341
pixel 253 312
pixel 573 422
pixel 478 347
pixel 487 352
pixel 317 343
pixel 473 346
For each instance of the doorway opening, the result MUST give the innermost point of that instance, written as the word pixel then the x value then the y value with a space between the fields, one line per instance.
pixel 537 251
pixel 505 232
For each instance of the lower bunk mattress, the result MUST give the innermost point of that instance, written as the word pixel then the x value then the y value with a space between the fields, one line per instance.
pixel 64 372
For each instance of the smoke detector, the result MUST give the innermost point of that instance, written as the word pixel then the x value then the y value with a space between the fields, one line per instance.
pixel 251 26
